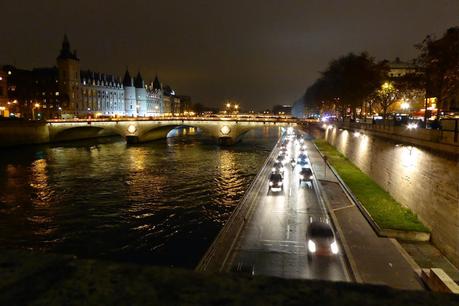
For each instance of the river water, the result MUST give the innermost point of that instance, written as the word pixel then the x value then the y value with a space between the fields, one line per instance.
pixel 159 203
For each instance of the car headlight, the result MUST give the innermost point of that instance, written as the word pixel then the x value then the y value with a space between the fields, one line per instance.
pixel 301 177
pixel 311 177
pixel 279 184
pixel 334 247
pixel 274 169
pixel 311 246
pixel 270 183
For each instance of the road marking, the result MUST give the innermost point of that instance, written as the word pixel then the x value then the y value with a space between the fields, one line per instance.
pixel 288 231
pixel 339 208
pixel 279 241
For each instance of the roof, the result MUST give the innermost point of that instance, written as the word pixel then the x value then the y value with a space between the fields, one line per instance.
pixel 398 64
pixel 156 83
pixel 65 52
pixel 138 82
pixel 127 80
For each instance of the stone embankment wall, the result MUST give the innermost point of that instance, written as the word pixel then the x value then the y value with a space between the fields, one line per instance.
pixel 13 133
pixel 425 181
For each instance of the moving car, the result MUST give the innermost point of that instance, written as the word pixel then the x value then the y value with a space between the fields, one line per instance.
pixel 303 160
pixel 276 183
pixel 320 240
pixel 306 175
pixel 281 159
pixel 302 155
pixel 278 167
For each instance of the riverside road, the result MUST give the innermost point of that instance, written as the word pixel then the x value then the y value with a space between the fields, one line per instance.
pixel 273 241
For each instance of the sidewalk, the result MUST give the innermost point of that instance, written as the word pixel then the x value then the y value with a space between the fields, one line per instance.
pixel 375 259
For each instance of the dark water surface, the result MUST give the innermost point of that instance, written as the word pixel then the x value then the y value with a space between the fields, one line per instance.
pixel 158 203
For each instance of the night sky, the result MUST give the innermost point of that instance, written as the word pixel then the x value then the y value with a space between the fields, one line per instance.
pixel 259 52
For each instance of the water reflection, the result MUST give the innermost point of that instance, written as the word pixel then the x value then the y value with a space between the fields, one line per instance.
pixel 149 203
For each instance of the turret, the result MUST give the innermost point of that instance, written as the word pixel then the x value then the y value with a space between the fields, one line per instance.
pixel 130 102
pixel 127 80
pixel 141 95
pixel 68 65
pixel 138 83
pixel 156 84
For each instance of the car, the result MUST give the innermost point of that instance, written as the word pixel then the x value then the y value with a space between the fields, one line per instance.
pixel 303 161
pixel 276 182
pixel 278 167
pixel 281 159
pixel 320 240
pixel 284 152
pixel 302 155
pixel 305 175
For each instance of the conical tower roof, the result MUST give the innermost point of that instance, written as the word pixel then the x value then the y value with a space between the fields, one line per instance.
pixel 138 82
pixel 66 52
pixel 156 84
pixel 127 80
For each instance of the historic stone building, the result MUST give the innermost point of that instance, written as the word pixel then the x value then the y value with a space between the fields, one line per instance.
pixel 88 93
pixel 66 91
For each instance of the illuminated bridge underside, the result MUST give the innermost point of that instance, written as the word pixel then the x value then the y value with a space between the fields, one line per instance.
pixel 136 131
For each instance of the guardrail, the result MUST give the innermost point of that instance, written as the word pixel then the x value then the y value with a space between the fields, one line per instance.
pixel 448 134
pixel 159 118
pixel 216 257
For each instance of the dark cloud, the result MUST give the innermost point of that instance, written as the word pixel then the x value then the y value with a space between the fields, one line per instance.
pixel 261 52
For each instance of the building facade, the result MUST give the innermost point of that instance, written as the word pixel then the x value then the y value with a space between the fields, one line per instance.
pixel 66 91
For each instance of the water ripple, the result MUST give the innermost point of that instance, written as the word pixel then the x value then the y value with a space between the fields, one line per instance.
pixel 150 203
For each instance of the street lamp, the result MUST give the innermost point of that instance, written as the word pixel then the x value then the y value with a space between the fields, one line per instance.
pixel 36 105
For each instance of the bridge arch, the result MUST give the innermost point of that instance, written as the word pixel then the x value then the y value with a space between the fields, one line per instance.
pixel 160 132
pixel 64 133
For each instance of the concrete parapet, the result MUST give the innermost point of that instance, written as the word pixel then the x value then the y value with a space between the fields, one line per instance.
pixel 438 140
pixel 437 280
pixel 424 180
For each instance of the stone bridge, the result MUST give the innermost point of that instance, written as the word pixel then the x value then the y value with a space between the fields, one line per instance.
pixel 226 130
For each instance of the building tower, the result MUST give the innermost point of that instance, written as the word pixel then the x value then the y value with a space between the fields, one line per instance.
pixel 141 95
pixel 130 103
pixel 157 89
pixel 68 66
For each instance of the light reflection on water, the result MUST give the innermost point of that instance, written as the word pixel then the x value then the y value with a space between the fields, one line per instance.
pixel 160 203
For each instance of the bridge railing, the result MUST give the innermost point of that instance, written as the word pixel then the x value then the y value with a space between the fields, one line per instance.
pixel 160 118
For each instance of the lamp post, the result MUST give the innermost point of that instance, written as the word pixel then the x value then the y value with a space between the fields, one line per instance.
pixel 36 106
